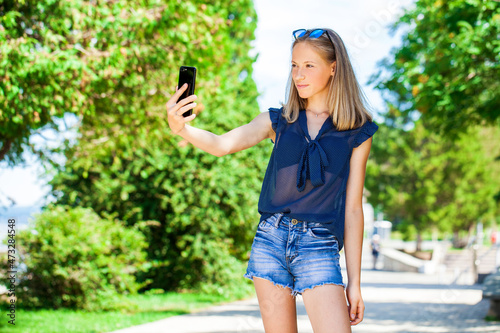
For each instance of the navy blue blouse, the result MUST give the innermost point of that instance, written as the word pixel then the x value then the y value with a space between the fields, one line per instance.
pixel 307 179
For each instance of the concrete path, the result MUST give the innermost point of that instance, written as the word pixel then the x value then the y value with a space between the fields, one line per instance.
pixel 395 302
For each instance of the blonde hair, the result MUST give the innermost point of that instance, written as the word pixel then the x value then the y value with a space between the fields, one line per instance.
pixel 346 100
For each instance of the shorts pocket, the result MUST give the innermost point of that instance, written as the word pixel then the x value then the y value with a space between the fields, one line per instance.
pixel 320 233
pixel 266 224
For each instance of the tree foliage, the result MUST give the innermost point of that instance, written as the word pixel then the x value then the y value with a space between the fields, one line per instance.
pixel 72 258
pixel 448 66
pixel 201 210
pixel 435 164
pixel 424 181
pixel 60 57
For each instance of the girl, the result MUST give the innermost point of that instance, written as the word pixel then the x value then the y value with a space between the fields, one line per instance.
pixel 311 198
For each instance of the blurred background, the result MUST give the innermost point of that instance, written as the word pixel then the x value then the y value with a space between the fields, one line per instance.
pixel 113 212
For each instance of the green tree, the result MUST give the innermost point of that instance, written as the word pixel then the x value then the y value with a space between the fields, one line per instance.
pixel 51 64
pixel 448 66
pixel 470 191
pixel 405 177
pixel 59 57
pixel 201 210
pixel 422 180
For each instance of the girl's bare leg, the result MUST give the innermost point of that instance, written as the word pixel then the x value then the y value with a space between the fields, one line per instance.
pixel 277 307
pixel 326 307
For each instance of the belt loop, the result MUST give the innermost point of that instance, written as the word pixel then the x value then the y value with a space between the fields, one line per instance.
pixel 278 219
pixel 305 226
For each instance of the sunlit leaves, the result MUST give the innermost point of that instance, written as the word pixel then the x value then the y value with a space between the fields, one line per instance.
pixel 455 46
pixel 424 181
pixel 75 259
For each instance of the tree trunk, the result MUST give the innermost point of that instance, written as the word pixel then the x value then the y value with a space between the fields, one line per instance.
pixel 419 241
pixel 470 234
pixel 6 145
pixel 456 241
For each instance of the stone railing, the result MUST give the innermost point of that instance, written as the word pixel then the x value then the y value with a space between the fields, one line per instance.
pixel 398 261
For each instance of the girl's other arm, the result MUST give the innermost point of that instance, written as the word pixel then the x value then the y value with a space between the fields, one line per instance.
pixel 219 145
pixel 354 227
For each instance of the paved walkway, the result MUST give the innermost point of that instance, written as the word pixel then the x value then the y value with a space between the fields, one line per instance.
pixel 395 302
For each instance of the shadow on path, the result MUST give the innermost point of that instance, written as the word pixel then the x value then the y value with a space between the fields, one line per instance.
pixel 395 302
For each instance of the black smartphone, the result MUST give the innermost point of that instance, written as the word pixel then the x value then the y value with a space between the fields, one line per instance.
pixel 187 75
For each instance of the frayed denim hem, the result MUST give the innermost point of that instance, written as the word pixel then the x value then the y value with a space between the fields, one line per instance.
pixel 319 285
pixel 251 276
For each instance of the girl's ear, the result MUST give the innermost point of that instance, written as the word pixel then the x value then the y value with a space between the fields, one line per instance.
pixel 333 67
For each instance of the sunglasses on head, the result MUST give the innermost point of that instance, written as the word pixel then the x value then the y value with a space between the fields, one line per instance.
pixel 312 34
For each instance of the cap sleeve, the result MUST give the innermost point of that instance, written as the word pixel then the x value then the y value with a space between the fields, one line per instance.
pixel 367 130
pixel 274 114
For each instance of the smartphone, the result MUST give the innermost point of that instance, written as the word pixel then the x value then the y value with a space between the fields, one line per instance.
pixel 187 75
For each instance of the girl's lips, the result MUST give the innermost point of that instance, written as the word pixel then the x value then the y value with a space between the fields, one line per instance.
pixel 301 86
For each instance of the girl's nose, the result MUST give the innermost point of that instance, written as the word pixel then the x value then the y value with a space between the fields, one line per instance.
pixel 299 75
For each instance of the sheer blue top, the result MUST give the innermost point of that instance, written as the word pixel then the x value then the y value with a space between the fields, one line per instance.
pixel 306 179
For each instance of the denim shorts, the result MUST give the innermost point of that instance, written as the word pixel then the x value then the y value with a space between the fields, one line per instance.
pixel 294 254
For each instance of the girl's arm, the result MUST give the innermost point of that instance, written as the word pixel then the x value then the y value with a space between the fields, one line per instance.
pixel 354 226
pixel 240 138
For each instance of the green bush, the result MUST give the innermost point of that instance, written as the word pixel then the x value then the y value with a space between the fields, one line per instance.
pixel 222 273
pixel 75 259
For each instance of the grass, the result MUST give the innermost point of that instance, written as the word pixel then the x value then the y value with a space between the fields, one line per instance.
pixel 455 250
pixel 492 318
pixel 147 308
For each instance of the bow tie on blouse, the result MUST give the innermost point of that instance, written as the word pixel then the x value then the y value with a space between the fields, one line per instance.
pixel 313 161
pixel 312 165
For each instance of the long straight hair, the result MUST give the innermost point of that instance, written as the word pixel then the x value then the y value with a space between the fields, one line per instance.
pixel 346 101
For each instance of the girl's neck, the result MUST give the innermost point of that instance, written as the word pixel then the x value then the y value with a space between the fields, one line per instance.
pixel 318 114
pixel 317 109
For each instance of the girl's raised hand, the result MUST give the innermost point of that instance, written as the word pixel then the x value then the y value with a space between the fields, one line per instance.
pixel 176 109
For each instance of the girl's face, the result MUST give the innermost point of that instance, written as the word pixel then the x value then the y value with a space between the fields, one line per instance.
pixel 310 72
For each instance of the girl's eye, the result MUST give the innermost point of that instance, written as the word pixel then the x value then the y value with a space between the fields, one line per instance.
pixel 307 66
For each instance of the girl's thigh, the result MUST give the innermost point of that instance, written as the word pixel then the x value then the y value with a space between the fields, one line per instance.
pixel 277 307
pixel 326 307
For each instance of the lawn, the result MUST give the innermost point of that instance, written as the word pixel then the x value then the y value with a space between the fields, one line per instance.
pixel 146 308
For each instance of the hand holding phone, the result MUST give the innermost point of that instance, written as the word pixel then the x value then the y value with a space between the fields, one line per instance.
pixel 180 105
pixel 187 75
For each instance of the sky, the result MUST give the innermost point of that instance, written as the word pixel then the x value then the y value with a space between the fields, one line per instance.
pixel 362 25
